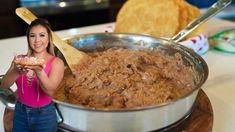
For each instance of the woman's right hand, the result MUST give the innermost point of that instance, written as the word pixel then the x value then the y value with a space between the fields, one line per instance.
pixel 18 68
pixel 11 75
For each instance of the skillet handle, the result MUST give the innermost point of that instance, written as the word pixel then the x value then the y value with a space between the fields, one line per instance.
pixel 62 127
pixel 58 116
pixel 214 9
pixel 7 96
pixel 67 128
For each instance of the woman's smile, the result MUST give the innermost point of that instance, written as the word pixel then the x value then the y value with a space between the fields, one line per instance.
pixel 37 46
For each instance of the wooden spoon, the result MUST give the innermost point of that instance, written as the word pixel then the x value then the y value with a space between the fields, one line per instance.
pixel 72 55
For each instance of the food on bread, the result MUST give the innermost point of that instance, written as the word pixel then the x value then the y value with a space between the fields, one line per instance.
pixel 159 18
pixel 30 61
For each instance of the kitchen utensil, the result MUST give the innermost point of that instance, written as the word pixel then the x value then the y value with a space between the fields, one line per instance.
pixel 210 12
pixel 72 55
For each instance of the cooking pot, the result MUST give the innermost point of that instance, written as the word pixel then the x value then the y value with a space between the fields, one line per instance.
pixel 146 118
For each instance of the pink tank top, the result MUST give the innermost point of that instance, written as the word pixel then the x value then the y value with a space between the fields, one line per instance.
pixel 33 95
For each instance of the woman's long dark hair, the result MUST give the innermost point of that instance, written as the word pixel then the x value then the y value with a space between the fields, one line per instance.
pixel 44 23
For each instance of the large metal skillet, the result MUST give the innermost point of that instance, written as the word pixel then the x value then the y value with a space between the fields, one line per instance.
pixel 136 119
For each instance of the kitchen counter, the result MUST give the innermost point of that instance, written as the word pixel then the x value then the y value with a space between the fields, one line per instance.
pixel 219 87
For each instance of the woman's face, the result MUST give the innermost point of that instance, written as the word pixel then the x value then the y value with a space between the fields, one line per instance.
pixel 38 39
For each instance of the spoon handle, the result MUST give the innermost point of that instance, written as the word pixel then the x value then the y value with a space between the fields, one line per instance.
pixel 214 9
pixel 23 12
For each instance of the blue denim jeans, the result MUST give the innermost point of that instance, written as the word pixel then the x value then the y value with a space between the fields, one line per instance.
pixel 28 119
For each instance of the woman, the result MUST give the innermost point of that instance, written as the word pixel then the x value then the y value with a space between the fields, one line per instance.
pixel 34 110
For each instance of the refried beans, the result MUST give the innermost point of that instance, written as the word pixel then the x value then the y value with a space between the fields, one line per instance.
pixel 123 78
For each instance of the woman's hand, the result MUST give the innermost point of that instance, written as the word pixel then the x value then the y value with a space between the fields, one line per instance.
pixel 38 69
pixel 17 67
pixel 20 69
pixel 12 74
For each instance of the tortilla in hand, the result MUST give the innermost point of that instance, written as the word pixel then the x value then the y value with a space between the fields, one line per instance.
pixel 29 61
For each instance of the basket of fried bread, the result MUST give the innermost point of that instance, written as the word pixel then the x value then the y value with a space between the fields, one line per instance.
pixel 161 18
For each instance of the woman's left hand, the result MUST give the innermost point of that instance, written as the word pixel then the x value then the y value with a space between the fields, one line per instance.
pixel 36 68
